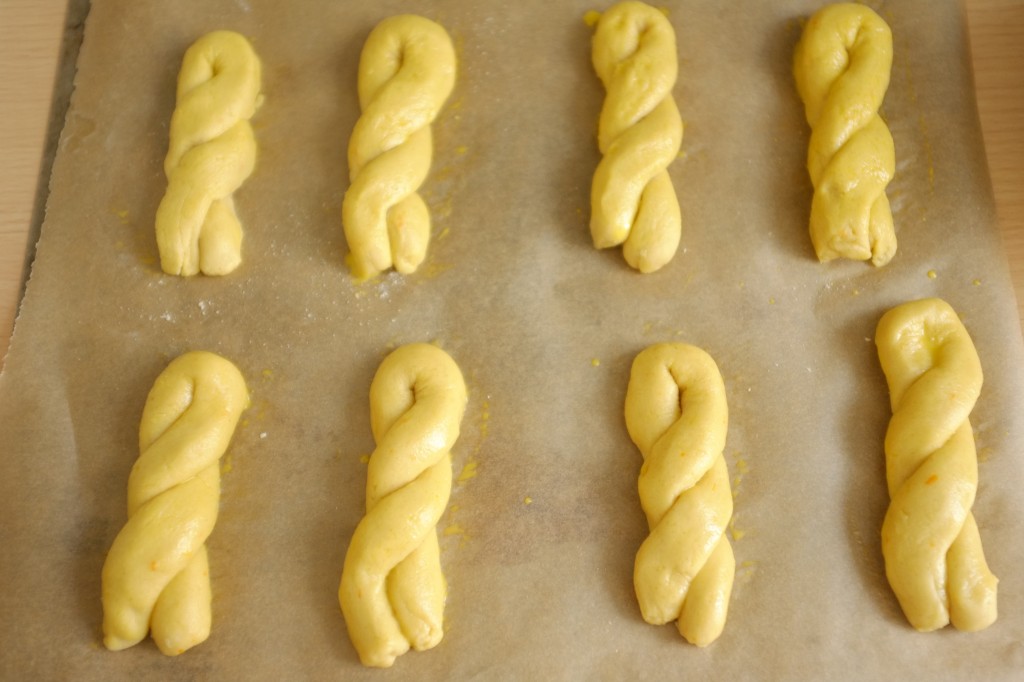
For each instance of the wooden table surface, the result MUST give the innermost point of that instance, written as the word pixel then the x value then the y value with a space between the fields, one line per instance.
pixel 31 39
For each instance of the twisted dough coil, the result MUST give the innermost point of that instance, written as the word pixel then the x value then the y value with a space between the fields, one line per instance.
pixel 676 414
pixel 212 151
pixel 842 66
pixel 156 575
pixel 930 541
pixel 632 201
pixel 406 72
pixel 392 590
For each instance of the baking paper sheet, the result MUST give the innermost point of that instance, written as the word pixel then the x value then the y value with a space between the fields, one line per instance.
pixel 539 540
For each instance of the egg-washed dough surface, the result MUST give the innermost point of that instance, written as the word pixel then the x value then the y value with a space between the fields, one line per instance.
pixel 516 294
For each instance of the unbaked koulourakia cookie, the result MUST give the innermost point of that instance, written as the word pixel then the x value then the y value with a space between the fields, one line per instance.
pixel 842 66
pixel 676 414
pixel 406 72
pixel 392 590
pixel 156 577
pixel 212 151
pixel 930 540
pixel 632 201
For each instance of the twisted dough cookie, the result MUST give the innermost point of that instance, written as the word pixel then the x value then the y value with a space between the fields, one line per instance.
pixel 933 555
pixel 677 415
pixel 156 575
pixel 211 153
pixel 392 590
pixel 842 66
pixel 406 72
pixel 632 201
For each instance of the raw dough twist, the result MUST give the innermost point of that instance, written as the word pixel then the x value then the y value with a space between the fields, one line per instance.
pixel 392 590
pixel 933 554
pixel 406 72
pixel 156 576
pixel 632 201
pixel 842 66
pixel 677 415
pixel 212 151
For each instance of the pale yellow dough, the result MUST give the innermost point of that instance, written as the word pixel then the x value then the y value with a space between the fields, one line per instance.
pixel 392 590
pixel 933 554
pixel 842 67
pixel 406 72
pixel 212 151
pixel 632 201
pixel 156 576
pixel 676 413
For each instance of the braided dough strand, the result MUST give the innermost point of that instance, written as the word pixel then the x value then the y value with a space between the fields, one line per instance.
pixel 392 590
pixel 930 541
pixel 156 575
pixel 211 153
pixel 677 416
pixel 406 73
pixel 640 131
pixel 842 66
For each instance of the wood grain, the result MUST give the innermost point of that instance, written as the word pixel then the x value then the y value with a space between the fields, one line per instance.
pixel 31 33
pixel 997 45
pixel 30 46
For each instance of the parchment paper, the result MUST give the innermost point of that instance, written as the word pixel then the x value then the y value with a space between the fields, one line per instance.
pixel 544 328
